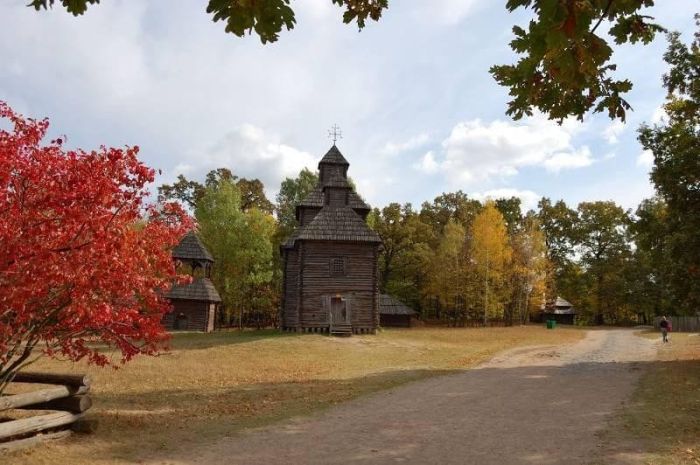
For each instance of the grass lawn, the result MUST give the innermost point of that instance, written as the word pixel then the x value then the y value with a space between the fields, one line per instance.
pixel 661 424
pixel 210 386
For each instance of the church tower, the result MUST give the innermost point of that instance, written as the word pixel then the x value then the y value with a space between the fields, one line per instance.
pixel 330 261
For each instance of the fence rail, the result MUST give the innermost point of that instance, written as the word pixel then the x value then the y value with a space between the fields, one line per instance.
pixel 682 324
pixel 67 398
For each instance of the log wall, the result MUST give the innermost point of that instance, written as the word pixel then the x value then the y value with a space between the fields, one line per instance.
pixel 290 317
pixel 200 315
pixel 358 284
pixel 66 400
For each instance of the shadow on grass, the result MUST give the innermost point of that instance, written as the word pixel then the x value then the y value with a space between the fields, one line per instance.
pixel 196 340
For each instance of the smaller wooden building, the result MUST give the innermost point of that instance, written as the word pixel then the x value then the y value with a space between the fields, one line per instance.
pixel 561 311
pixel 195 305
pixel 394 313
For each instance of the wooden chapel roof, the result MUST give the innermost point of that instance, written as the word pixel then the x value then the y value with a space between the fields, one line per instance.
pixel 200 289
pixel 388 305
pixel 191 248
pixel 338 224
pixel 333 157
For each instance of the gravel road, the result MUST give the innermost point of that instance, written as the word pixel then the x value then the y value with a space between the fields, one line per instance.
pixel 539 405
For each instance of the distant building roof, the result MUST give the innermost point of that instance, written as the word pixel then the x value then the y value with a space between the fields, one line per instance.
pixel 338 224
pixel 560 307
pixel 333 156
pixel 200 289
pixel 191 248
pixel 390 306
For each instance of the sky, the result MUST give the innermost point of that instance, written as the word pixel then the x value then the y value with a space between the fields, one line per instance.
pixel 419 112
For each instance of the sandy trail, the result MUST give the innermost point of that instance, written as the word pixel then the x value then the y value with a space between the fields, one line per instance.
pixel 528 406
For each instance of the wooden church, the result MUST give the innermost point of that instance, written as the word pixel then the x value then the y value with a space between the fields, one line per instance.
pixel 330 261
pixel 195 305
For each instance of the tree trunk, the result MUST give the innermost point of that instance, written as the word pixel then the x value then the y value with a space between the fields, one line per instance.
pixel 32 441
pixel 75 404
pixel 52 378
pixel 36 424
pixel 41 396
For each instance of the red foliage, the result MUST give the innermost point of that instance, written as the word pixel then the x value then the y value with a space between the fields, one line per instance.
pixel 83 259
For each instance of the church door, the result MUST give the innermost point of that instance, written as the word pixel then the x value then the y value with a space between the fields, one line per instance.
pixel 339 311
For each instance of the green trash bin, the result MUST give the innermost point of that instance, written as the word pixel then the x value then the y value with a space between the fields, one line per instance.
pixel 551 324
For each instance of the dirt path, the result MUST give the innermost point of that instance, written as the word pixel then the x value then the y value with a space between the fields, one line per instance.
pixel 530 406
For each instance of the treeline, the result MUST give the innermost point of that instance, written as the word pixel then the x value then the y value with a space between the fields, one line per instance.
pixel 457 259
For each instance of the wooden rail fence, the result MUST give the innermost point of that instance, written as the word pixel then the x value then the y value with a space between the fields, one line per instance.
pixel 65 402
pixel 681 324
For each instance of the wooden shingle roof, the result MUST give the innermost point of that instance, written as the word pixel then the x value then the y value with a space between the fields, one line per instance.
pixel 333 157
pixel 561 307
pixel 338 224
pixel 201 289
pixel 315 199
pixel 191 248
pixel 337 180
pixel 390 306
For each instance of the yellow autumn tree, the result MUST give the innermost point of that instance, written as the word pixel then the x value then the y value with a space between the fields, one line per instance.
pixel 490 258
pixel 446 269
pixel 528 270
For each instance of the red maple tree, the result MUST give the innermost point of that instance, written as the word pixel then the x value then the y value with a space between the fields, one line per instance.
pixel 84 261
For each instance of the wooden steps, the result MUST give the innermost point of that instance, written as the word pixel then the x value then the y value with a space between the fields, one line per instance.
pixel 344 330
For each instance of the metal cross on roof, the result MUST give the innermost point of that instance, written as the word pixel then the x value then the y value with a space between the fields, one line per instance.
pixel 335 133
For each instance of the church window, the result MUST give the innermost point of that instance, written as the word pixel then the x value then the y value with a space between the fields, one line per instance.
pixel 337 266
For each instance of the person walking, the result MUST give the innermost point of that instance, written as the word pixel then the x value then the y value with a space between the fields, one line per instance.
pixel 663 324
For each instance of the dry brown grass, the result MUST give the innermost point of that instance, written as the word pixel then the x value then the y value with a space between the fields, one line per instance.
pixel 661 424
pixel 668 400
pixel 210 386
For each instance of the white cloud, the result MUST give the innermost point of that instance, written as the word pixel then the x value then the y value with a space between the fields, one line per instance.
pixel 568 160
pixel 645 159
pixel 396 148
pixel 427 164
pixel 248 151
pixel 448 12
pixel 612 132
pixel 659 116
pixel 528 198
pixel 477 151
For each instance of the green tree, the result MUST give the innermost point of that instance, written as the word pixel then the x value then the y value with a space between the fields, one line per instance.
pixel 511 211
pixel 403 259
pixel 557 221
pixel 241 242
pixel 490 256
pixel 291 193
pixel 604 249
pixel 455 206
pixel 190 192
pixel 253 196
pixel 648 275
pixel 676 170
pixel 566 65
